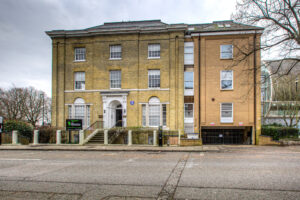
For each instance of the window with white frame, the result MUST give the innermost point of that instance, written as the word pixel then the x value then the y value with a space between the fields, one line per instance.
pixel 188 110
pixel 153 50
pixel 115 79
pixel 153 78
pixel 79 80
pixel 144 115
pixel 188 80
pixel 164 113
pixel 115 52
pixel 154 113
pixel 226 51
pixel 188 117
pixel 80 110
pixel 189 53
pixel 226 112
pixel 79 54
pixel 227 80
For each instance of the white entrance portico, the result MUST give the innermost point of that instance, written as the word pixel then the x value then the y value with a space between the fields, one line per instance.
pixel 114 108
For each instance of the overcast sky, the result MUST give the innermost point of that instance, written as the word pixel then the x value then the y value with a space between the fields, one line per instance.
pixel 25 53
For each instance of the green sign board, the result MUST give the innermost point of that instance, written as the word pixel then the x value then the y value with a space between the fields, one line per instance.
pixel 73 124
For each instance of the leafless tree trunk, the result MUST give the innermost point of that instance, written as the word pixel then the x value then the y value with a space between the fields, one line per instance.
pixel 12 103
pixel 281 22
pixel 25 104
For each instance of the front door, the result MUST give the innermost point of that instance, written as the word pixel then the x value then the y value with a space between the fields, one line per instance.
pixel 119 122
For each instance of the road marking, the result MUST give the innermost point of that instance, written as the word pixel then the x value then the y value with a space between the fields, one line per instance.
pixel 171 184
pixel 17 159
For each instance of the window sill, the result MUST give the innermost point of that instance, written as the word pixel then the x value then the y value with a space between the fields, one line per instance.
pixel 115 58
pixel 226 89
pixel 231 122
pixel 115 88
pixel 153 88
pixel 78 61
pixel 153 58
pixel 226 58
pixel 79 89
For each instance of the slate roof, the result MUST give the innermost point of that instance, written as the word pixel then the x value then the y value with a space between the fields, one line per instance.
pixel 281 67
pixel 147 26
pixel 217 26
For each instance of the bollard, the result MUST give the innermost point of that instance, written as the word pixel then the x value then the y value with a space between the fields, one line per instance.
pixel 179 136
pixel 81 137
pixel 15 137
pixel 58 137
pixel 154 138
pixel 36 137
pixel 106 137
pixel 129 137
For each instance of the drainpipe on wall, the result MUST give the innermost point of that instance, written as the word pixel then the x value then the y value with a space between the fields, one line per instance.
pixel 199 86
pixel 254 79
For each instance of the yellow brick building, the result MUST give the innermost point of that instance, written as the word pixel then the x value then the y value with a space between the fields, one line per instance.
pixel 148 73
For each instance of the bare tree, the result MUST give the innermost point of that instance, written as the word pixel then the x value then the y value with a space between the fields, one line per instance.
pixel 12 103
pixel 27 104
pixel 34 105
pixel 281 22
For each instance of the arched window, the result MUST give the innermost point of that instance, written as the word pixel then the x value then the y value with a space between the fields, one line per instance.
pixel 80 110
pixel 79 101
pixel 154 113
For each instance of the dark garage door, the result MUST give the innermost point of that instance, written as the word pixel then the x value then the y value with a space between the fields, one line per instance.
pixel 224 136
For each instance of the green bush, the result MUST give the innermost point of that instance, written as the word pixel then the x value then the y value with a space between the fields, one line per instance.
pixel 25 129
pixel 279 132
pixel 47 134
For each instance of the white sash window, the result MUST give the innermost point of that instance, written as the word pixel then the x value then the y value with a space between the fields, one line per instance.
pixel 226 51
pixel 79 54
pixel 226 112
pixel 79 78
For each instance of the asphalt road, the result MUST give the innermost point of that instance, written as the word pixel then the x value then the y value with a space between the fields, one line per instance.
pixel 234 173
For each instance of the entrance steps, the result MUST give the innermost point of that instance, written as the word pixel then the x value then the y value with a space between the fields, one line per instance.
pixel 98 138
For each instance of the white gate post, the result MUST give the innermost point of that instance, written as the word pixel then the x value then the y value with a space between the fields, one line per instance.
pixel 15 137
pixel 106 137
pixel 129 137
pixel 58 137
pixel 36 137
pixel 154 138
pixel 81 137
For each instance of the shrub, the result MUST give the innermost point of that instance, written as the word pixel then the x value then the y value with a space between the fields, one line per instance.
pixel 47 134
pixel 277 132
pixel 25 129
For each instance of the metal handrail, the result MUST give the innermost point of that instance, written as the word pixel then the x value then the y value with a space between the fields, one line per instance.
pixel 94 126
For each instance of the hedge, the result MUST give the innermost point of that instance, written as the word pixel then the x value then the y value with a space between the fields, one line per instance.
pixel 279 132
pixel 25 129
pixel 47 134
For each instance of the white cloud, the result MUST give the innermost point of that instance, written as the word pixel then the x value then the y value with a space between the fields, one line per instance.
pixel 26 49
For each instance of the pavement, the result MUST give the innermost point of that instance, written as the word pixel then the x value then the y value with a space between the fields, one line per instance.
pixel 234 172
pixel 76 147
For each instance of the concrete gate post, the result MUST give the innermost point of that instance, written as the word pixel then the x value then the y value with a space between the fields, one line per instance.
pixel 15 137
pixel 58 137
pixel 129 137
pixel 81 137
pixel 36 137
pixel 154 138
pixel 106 137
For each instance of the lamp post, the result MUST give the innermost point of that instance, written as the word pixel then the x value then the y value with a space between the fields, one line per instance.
pixel 43 103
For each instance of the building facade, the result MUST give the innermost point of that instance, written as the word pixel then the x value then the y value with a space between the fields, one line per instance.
pixel 149 74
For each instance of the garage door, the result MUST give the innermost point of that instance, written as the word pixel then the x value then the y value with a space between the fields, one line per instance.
pixel 224 136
